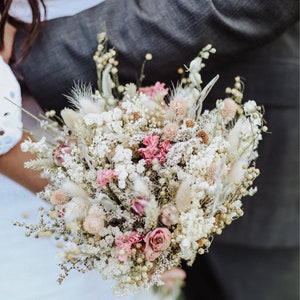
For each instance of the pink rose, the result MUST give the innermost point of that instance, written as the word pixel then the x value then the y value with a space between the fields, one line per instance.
pixel 157 241
pixel 138 205
pixel 169 215
pixel 164 149
pixel 172 277
pixel 148 153
pixel 105 176
pixel 61 150
pixel 134 237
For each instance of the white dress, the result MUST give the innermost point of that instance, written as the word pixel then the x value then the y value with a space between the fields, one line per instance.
pixel 29 267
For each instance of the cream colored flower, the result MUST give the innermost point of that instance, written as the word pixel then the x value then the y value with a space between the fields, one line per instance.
pixel 183 197
pixel 93 223
pixel 178 107
pixel 59 197
pixel 170 131
pixel 229 109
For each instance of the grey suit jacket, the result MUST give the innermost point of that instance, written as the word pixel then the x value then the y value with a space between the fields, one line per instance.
pixel 254 39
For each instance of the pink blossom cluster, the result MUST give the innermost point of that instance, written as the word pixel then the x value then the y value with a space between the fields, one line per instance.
pixel 61 150
pixel 125 243
pixel 158 89
pixel 154 149
pixel 105 176
pixel 153 244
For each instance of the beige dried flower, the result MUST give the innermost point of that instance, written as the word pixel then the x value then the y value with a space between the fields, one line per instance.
pixel 93 223
pixel 229 109
pixel 203 136
pixel 178 107
pixel 183 197
pixel 58 197
pixel 136 116
pixel 190 123
pixel 170 131
pixel 70 117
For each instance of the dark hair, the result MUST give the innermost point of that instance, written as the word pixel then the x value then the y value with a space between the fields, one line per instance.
pixel 32 29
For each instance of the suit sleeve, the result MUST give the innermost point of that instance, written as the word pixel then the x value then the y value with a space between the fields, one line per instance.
pixel 174 31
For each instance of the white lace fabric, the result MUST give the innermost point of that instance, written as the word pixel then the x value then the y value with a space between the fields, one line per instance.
pixel 10 112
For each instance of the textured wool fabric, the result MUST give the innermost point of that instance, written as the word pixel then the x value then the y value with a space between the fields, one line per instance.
pixel 173 31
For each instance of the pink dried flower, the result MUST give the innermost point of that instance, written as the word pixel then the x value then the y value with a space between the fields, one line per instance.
pixel 138 205
pixel 165 146
pixel 124 245
pixel 151 141
pixel 178 107
pixel 169 215
pixel 153 150
pixel 148 154
pixel 229 109
pixel 172 277
pixel 61 150
pixel 123 251
pixel 105 176
pixel 61 210
pixel 58 197
pixel 134 237
pixel 157 241
pixel 155 91
pixel 164 149
pixel 170 131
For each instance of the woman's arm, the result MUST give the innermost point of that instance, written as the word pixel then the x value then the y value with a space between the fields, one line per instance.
pixel 12 162
pixel 12 166
pixel 9 35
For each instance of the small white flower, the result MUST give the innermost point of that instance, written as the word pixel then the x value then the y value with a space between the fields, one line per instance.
pixel 195 65
pixel 77 208
pixel 122 154
pixel 250 107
